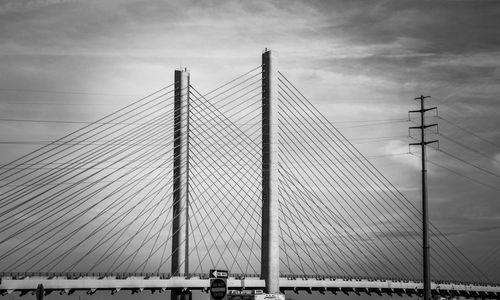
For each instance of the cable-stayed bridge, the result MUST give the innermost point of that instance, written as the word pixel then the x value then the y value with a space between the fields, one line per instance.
pixel 249 177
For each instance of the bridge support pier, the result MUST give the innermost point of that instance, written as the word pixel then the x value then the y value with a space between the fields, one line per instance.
pixel 270 210
pixel 180 228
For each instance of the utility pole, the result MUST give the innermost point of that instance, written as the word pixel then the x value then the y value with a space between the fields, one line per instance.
pixel 425 217
pixel 270 213
pixel 180 228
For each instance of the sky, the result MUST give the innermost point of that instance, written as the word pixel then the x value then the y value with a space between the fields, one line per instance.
pixel 361 63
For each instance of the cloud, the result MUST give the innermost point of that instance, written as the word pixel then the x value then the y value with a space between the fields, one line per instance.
pixel 22 6
pixel 431 26
pixel 399 146
pixel 496 161
pixel 443 47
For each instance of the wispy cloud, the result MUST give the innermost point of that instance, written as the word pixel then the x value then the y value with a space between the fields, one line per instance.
pixel 22 6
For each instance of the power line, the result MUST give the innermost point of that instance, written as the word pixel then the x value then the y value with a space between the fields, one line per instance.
pixel 68 92
pixel 61 103
pixel 462 175
pixel 468 148
pixel 64 121
pixel 468 163
pixel 365 121
pixel 469 132
pixel 374 124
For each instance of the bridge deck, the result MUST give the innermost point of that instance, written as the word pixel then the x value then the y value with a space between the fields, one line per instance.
pixel 114 284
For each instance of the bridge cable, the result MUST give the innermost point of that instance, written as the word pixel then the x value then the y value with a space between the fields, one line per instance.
pixel 387 182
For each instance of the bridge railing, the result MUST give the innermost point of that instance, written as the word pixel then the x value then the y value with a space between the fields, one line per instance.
pixel 148 275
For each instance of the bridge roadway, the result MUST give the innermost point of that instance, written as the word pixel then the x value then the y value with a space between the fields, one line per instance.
pixel 69 283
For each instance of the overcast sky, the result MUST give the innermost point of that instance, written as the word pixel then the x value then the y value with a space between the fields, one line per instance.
pixel 360 62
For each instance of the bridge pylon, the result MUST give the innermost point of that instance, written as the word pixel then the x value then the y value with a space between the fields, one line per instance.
pixel 180 228
pixel 270 209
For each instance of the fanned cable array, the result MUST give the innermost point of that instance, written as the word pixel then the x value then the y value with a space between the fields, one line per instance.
pixel 96 200
pixel 101 198
pixel 339 215
pixel 225 172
